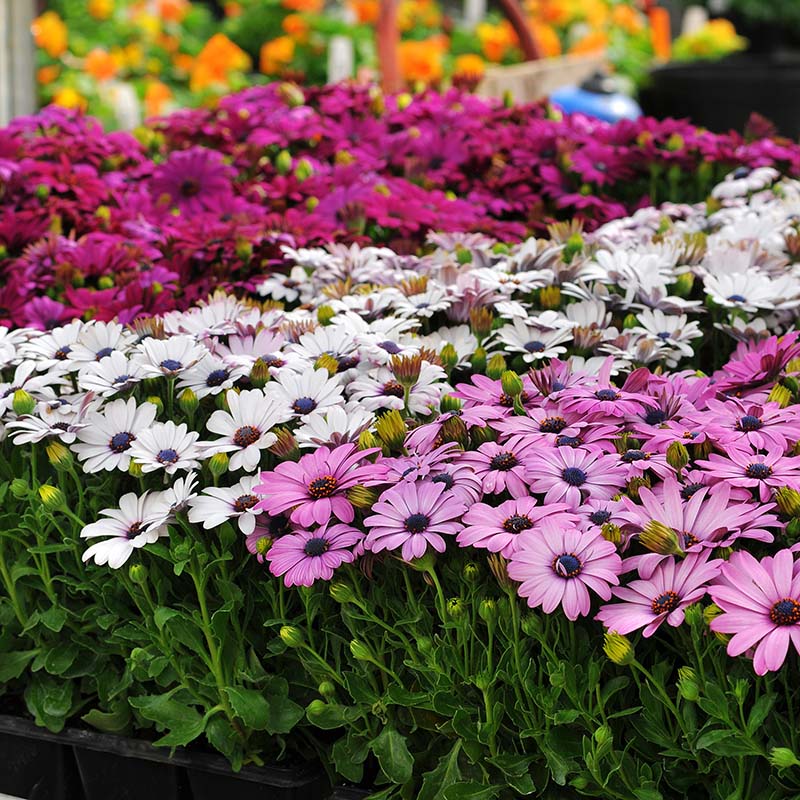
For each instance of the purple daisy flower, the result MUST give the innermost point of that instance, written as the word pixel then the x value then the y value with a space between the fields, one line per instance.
pixel 303 557
pixel 559 565
pixel 498 529
pixel 672 587
pixel 413 516
pixel 499 468
pixel 750 424
pixel 195 180
pixel 760 601
pixel 572 474
pixel 316 486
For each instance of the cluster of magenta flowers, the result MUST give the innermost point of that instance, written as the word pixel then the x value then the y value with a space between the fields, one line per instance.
pixel 104 226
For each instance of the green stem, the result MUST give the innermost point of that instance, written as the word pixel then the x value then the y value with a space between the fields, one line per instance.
pixel 10 587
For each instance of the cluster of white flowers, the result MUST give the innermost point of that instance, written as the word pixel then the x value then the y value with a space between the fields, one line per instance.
pixel 324 368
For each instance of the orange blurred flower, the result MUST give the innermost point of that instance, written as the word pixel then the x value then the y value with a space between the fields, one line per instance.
pixel 172 10
pixel 469 65
pixel 69 98
pixel 50 33
pixel 628 19
pixel 183 62
pixel 422 61
pixel 47 75
pixel 276 54
pixel 594 42
pixel 156 97
pixel 100 64
pixel 233 10
pixel 496 40
pixel 296 26
pixel 100 9
pixel 365 11
pixel 418 13
pixel 214 63
pixel 307 6
pixel 547 38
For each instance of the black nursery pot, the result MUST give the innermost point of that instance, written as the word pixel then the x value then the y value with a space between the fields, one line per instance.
pixel 35 764
pixel 349 793
pixel 721 95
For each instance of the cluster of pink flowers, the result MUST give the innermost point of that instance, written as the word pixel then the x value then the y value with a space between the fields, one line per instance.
pixel 97 225
pixel 619 501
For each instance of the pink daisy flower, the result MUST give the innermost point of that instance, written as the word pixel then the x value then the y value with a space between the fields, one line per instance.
pixel 413 516
pixel 498 528
pixel 764 472
pixel 559 565
pixel 489 395
pixel 760 601
pixel 756 363
pixel 606 402
pixel 684 431
pixel 499 468
pixel 672 587
pixel 315 487
pixel 572 475
pixel 306 556
pixel 194 180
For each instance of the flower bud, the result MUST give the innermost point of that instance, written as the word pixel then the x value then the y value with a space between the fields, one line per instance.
pixel 496 366
pixel 636 483
pixel 325 314
pixel 604 736
pixel 367 440
pixel 315 708
pixel 792 531
pixel 782 758
pixel 448 356
pixel 20 488
pixel 611 532
pixel 580 782
pixel 327 689
pixel 342 592
pixel 424 644
pixel 454 430
pixel 23 402
pixel 360 651
pixel 630 321
pixel 788 501
pixel 511 383
pixel 328 362
pixel 694 615
pixel 499 567
pixel 362 496
pixel 403 101
pixel 688 688
pixel 532 624
pixel 684 284
pixel 659 538
pixel 456 607
pixel 218 464
pixel 471 572
pixel 572 247
pixel 677 455
pixel 780 395
pixel 618 648
pixel 550 297
pixel 480 435
pixel 478 360
pixel 710 612
pixel 303 170
pixel 137 573
pixel 283 162
pixel 285 448
pixel 481 321
pixel 406 369
pixel 157 402
pixel 263 545
pixel 59 455
pixel 449 403
pixel 259 374
pixel 391 429
pixel 483 681
pixel 291 636
pixel 51 496
pixel 135 469
pixel 188 402
pixel 792 384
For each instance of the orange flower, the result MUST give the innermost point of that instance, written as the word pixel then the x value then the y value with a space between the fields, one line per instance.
pixel 594 42
pixel 414 13
pixel 628 19
pixel 365 11
pixel 172 10
pixel 421 61
pixel 469 65
pixel 214 63
pixel 100 64
pixel 100 9
pixel 233 10
pixel 295 26
pixel 47 75
pixel 306 6
pixel 69 98
pixel 276 54
pixel 183 62
pixel 50 33
pixel 547 38
pixel 156 97
pixel 496 40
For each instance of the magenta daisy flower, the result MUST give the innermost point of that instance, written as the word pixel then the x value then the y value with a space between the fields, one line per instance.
pixel 499 468
pixel 559 565
pixel 672 587
pixel 572 474
pixel 315 487
pixel 498 528
pixel 760 601
pixel 413 516
pixel 306 556
pixel 750 424
pixel 194 180
pixel 489 395
pixel 764 472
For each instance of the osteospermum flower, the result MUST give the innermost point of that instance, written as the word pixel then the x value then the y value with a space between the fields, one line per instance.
pixel 98 340
pixel 315 488
pixel 760 601
pixel 210 376
pixel 663 597
pixel 413 517
pixel 303 557
pixel 571 474
pixel 169 357
pixel 111 374
pixel 750 425
pixel 499 528
pixel 303 394
pixel 500 468
pixel 194 180
pixel 137 522
pixel 559 565
pixel 105 443
pixel 166 446
pixel 217 505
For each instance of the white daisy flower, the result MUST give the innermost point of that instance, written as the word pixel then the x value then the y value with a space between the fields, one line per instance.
pixel 105 444
pixel 10 341
pixel 243 350
pixel 210 376
pixel 459 336
pixel 38 386
pixel 288 287
pixel 381 389
pixel 301 395
pixel 53 419
pixel 170 356
pixel 137 522
pixel 748 291
pixel 332 340
pixel 98 340
pixel 166 446
pixel 334 426
pixel 112 374
pixel 217 505
pixel 424 304
pixel 245 428
pixel 675 331
pixel 534 343
pixel 743 180
pixel 220 315
pixel 52 350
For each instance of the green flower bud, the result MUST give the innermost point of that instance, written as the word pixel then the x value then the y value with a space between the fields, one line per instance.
pixel 659 538
pixel 550 297
pixel 42 191
pixel 303 170
pixel 480 436
pixel 137 573
pixel 611 532
pixel 324 316
pixel 532 624
pixel 487 610
pixel 792 384
pixel 283 162
pixel 463 256
pixel 449 403
pixel 694 615
pixel 483 681
pixel 157 402
pixel 424 644
pixel 478 360
pixel 456 607
pixel 783 758
pixel 403 101
pixel 218 464
pixel 618 648
pixel 511 383
pixel 604 737
pixel 367 440
pixel 448 356
pixel 316 708
pixel 471 572
pixel 312 203
pixel 59 456
pixel 20 488
pixel 23 402
pixel 630 321
pixel 135 469
pixel 688 688
pixel 780 395
pixel 793 531
pixel 677 456
pixel 188 402
pixel 327 689
pixel 501 249
pixel 259 374
pixel 360 651
pixel 392 429
pixel 580 783
pixel 342 592
pixel 362 496
pixel 291 636
pixel 572 247
pixel 51 496
pixel 684 284
pixel 788 501
pixel 496 366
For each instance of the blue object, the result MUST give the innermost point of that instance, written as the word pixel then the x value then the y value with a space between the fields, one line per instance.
pixel 597 97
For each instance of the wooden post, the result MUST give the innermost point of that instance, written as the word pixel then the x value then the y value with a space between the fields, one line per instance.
pixel 17 59
pixel 388 36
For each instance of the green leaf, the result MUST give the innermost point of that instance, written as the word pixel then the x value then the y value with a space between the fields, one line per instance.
pixel 446 773
pixel 60 659
pixel 392 752
pixel 648 794
pixel 54 618
pixel 759 712
pixel 250 706
pixel 109 722
pixel 349 754
pixel 469 790
pixel 284 714
pixel 329 716
pixel 183 723
pixel 223 737
pixel 566 716
pixel 13 664
pixel 726 743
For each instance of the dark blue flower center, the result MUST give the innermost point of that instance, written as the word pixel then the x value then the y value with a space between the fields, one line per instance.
pixel 737 298
pixel 749 423
pixel 62 352
pixel 244 502
pixel 246 435
pixel 574 476
pixel 217 377
pixel 346 362
pixel 120 442
pixel 122 379
pixel 323 486
pixel 741 172
pixel 567 565
pixel 558 386
pixel 389 347
pixel 568 441
pixel 393 389
pixel 635 455
pixel 504 462
pixel 417 523
pixel 664 603
pixel 316 546
pixel 272 360
pixel 517 523
pixel 690 489
pixel 785 612
pixel 552 425
pixel 445 478
pixel 167 456
pixel 664 335
pixel 654 416
pixel 758 471
pixel 171 365
pixel 103 352
pixel 535 347
pixel 606 395
pixel 134 530
pixel 600 517
pixel 304 405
